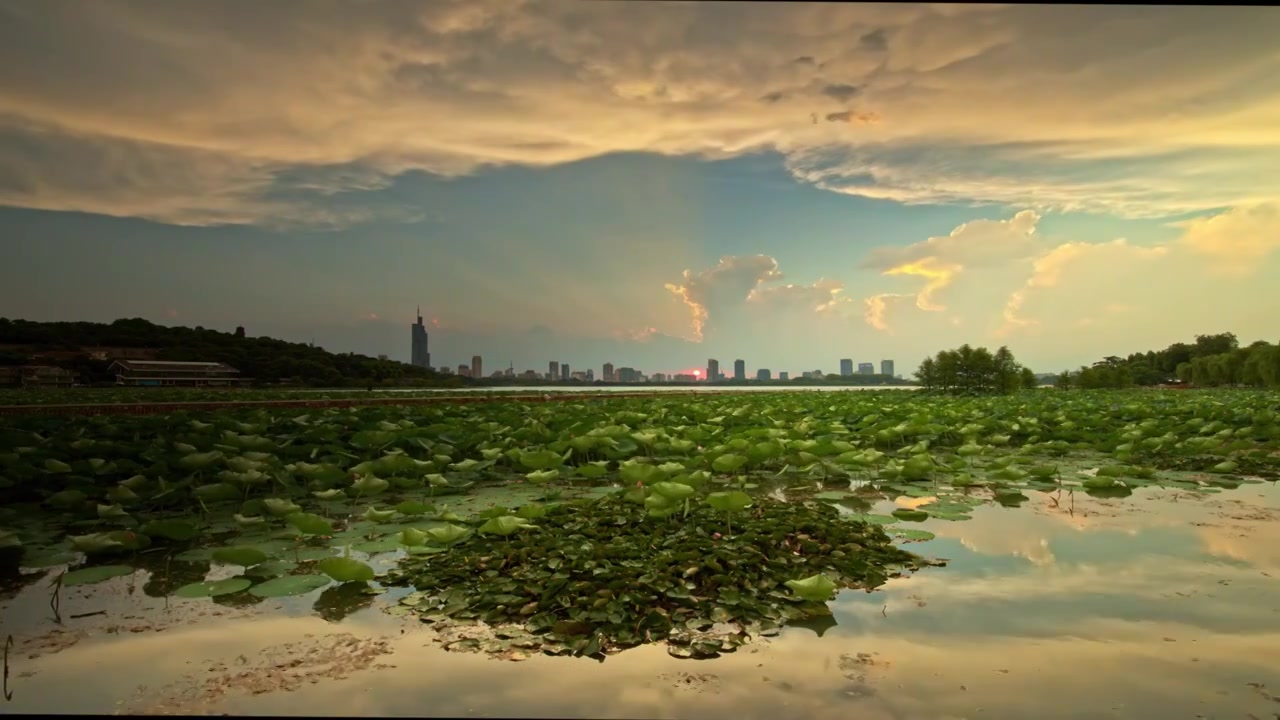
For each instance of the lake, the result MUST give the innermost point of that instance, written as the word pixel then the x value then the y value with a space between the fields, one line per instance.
pixel 1164 604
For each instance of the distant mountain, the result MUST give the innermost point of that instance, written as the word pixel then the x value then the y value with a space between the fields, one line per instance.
pixel 87 348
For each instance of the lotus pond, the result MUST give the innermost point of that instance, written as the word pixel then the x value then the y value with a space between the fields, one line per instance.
pixel 891 554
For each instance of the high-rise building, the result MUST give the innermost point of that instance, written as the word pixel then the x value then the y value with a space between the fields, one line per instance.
pixel 608 372
pixel 713 370
pixel 886 368
pixel 866 369
pixel 784 375
pixel 591 375
pixel 553 371
pixel 419 355
pixel 564 371
pixel 475 366
pixel 739 369
pixel 628 375
pixel 464 370
pixel 846 367
pixel 763 374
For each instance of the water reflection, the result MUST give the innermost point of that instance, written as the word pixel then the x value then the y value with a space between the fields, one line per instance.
pixel 1157 605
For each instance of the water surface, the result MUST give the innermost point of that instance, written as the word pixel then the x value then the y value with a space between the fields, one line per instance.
pixel 1165 604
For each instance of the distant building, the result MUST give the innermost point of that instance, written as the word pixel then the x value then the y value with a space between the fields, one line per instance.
pixel 886 368
pixel 739 370
pixel 163 373
pixel 608 372
pixel 498 374
pixel 784 375
pixel 419 356
pixel 685 378
pixel 659 377
pixel 240 331
pixel 476 366
pixel 464 370
pixel 577 375
pixel 713 370
pixel 564 371
pixel 763 374
pixel 866 369
pixel 591 375
pixel 628 375
pixel 36 376
pixel 846 367
pixel 553 371
pixel 446 370
pixel 528 375
pixel 384 358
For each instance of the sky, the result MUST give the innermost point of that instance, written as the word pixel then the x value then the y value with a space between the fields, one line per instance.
pixel 650 184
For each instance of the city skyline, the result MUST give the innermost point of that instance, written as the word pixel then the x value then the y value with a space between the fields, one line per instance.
pixel 654 182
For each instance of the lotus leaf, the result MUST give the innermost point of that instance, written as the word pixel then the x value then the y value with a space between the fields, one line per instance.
pixel 289 585
pixel 505 525
pixel 280 506
pixel 242 555
pixel 309 523
pixel 815 588
pixel 344 569
pixel 95 574
pixel 214 588
pixel 448 534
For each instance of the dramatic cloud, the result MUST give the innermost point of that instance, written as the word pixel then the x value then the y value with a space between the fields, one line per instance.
pixel 1237 240
pixel 289 112
pixel 740 282
pixel 980 243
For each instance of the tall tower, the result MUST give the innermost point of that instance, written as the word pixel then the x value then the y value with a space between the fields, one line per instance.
pixel 553 371
pixel 564 371
pixel 475 366
pixel 608 372
pixel 713 370
pixel 419 356
pixel 846 367
pixel 886 368
pixel 739 369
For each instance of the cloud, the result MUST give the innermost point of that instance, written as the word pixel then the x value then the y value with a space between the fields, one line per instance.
pixel 202 113
pixel 730 282
pixel 938 260
pixel 877 307
pixel 1238 239
pixel 740 283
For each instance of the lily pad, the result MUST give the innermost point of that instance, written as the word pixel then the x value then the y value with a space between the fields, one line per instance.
pixel 289 585
pixel 213 588
pixel 95 574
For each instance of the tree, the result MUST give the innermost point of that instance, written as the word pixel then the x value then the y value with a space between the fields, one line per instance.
pixel 973 371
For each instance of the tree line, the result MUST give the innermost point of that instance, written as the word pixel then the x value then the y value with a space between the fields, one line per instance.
pixel 1210 361
pixel 265 360
pixel 974 371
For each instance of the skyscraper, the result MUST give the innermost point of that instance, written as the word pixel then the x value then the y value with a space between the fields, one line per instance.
pixel 713 370
pixel 553 371
pixel 784 375
pixel 564 371
pixel 866 369
pixel 475 366
pixel 608 372
pixel 846 367
pixel 763 374
pixel 886 368
pixel 419 355
pixel 591 375
pixel 739 369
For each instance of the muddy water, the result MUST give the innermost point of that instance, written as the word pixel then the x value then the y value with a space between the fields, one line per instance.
pixel 1161 605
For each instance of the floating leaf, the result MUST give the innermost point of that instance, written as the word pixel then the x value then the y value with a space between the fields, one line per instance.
pixel 310 523
pixel 344 569
pixel 95 574
pixel 505 525
pixel 242 555
pixel 289 585
pixel 213 588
